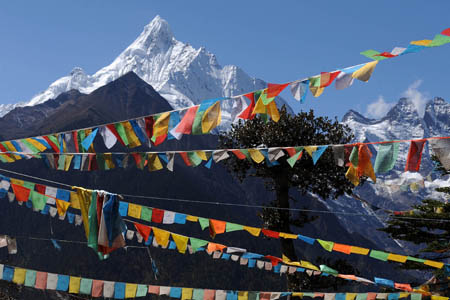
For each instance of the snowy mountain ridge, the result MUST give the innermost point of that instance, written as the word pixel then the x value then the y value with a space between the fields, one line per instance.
pixel 180 73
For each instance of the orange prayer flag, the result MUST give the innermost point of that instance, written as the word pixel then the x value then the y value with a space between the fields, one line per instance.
pixel 216 227
pixel 215 247
pixel 342 248
pixel 143 230
pixel 274 89
pixel 22 193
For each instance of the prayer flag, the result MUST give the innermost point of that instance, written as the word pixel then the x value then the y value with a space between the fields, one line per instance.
pixel 161 237
pixel 211 118
pixel 161 125
pixel 441 148
pixel 130 290
pixel 63 283
pixel 379 255
pixel 181 241
pixel 365 72
pixel 185 125
pixel 327 245
pixel 247 113
pixel 19 276
pixel 414 155
pixel 344 80
pixel 237 108
pixel 299 90
pixel 119 290
pixel 143 230
pixel 97 288
pixel 386 157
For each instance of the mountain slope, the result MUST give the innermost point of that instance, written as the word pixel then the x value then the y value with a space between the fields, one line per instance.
pixel 182 74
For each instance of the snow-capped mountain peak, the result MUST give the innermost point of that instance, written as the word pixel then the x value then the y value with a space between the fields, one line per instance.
pixel 183 75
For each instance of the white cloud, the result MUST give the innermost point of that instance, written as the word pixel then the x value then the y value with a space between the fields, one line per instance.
pixel 418 98
pixel 378 108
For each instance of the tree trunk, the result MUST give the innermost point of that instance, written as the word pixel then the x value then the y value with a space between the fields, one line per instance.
pixel 296 281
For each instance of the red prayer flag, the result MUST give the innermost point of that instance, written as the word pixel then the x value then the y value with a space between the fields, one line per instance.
pixel 273 259
pixel 264 296
pixel 239 154
pixel 247 113
pixel 143 230
pixel 414 155
pixel 271 233
pixel 185 158
pixel 157 215
pixel 92 162
pixel 185 125
pixel 160 139
pixel 446 32
pixel 40 188
pixel 386 54
pixel 49 141
pixel 274 89
pixel 403 286
pixel 371 296
pixel 22 193
pixel 291 151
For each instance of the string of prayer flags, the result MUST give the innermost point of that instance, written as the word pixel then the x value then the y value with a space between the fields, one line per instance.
pixel 125 290
pixel 81 200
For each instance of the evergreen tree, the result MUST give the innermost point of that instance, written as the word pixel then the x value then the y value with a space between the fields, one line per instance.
pixel 325 179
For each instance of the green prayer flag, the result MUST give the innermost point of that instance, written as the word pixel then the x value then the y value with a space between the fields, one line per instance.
pixel 30 146
pixel 314 81
pixel 266 100
pixel 354 156
pixel 204 223
pixel 85 286
pixel 198 294
pixel 121 131
pixel 371 54
pixel 419 260
pixel 361 296
pixel 101 162
pixel 61 162
pixel 194 158
pixel 28 185
pixel 311 295
pixel 386 157
pixel 439 40
pixel 30 278
pixel 233 227
pixel 327 269
pixel 253 295
pixel 54 140
pixel 379 255
pixel 81 136
pixel 38 200
pixel 416 296
pixel 93 223
pixel 327 245
pixel 146 214
pixel 197 243
pixel 293 159
pixel 141 290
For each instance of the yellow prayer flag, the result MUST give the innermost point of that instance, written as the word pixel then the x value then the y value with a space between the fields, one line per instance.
pixel 74 285
pixel 253 230
pixel 316 91
pixel 359 250
pixel 211 117
pixel 108 160
pixel 310 149
pixel 436 297
pixel 19 275
pixel 134 210
pixel 130 290
pixel 17 182
pixel 154 164
pixel 260 108
pixel 403 295
pixel 74 201
pixel 242 295
pixel 62 207
pixel 133 140
pixel 350 296
pixel 36 144
pixel 67 162
pixel 181 242
pixel 201 154
pixel 161 125
pixel 421 43
pixel 256 155
pixel 272 111
pixel 435 264
pixel 296 294
pixel 161 236
pixel 84 197
pixel 288 235
pixel 308 265
pixel 186 293
pixel 10 147
pixel 191 218
pixel 352 175
pixel 397 258
pixel 366 71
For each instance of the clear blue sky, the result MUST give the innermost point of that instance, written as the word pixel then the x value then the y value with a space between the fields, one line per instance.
pixel 277 41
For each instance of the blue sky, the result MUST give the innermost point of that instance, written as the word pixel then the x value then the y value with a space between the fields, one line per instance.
pixel 277 41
